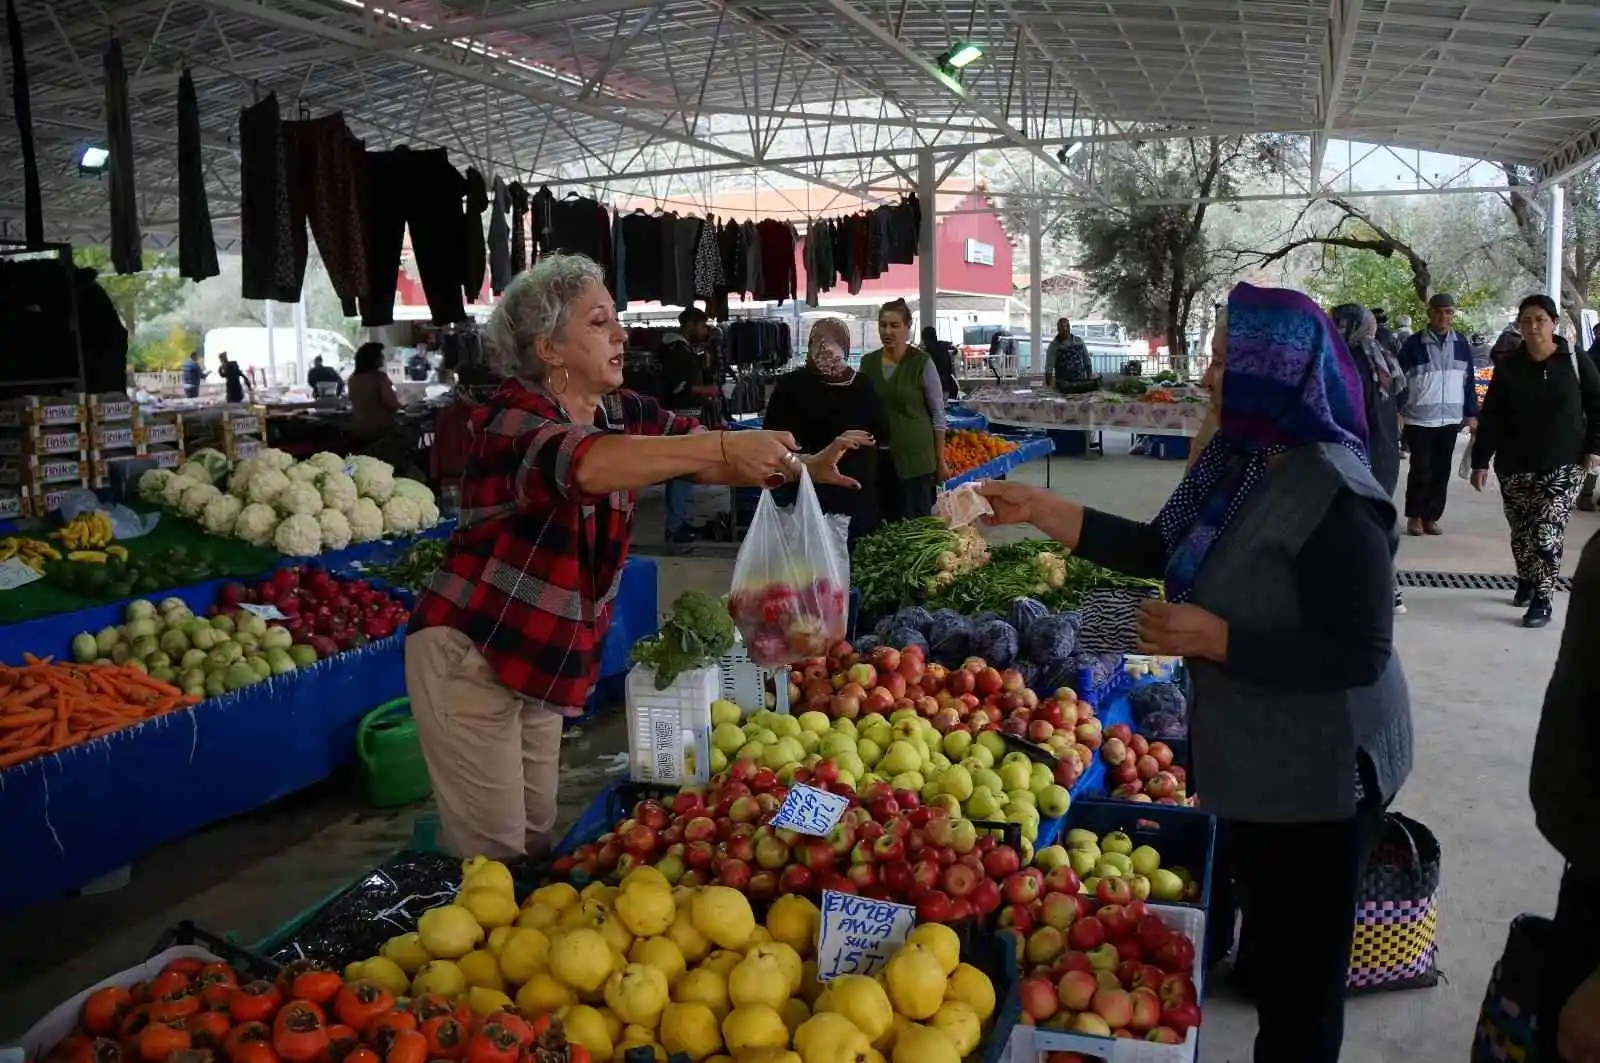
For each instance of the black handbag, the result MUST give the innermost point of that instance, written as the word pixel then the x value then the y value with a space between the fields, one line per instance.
pixel 1508 1021
pixel 1395 945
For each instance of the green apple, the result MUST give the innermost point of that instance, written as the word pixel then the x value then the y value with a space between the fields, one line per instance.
pixel 983 751
pixel 946 802
pixel 725 711
pixel 957 782
pixel 982 804
pixel 869 751
pixel 1117 842
pixel 1054 800
pixel 994 743
pixel 1015 775
pixel 835 743
pixel 784 726
pixel 786 774
pixel 727 737
pixel 908 780
pixel 1165 886
pixel 899 757
pixel 1040 777
pixel 849 760
pixel 1021 797
pixel 1082 861
pixel 776 757
pixel 1078 838
pixel 809 741
pixel 1145 860
pixel 814 721
pixel 956 744
pixel 938 761
pixel 1027 852
pixel 986 777
pixel 1105 869
pixel 751 751
pixel 1140 886
pixel 1016 758
pixel 719 760
pixel 963 836
pixel 845 726
pixel 1051 857
pixel 1121 861
pixel 848 778
pixel 930 790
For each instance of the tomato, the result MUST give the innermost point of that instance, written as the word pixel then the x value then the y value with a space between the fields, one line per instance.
pixel 207 1029
pixel 300 1032
pixel 447 1037
pixel 99 1050
pixel 255 1052
pixel 190 1055
pixel 316 986
pixel 539 1025
pixel 216 972
pixel 246 1033
pixel 493 1044
pixel 160 1039
pixel 168 981
pixel 358 1003
pixel 179 1004
pixel 104 1010
pixel 400 1046
pixel 398 1019
pixel 215 984
pixel 255 1001
pixel 342 1041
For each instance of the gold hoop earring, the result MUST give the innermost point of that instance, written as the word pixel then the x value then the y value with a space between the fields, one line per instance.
pixel 566 378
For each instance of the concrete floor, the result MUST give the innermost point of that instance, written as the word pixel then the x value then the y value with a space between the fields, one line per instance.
pixel 1476 682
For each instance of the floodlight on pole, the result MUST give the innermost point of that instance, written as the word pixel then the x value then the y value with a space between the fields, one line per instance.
pixel 960 55
pixel 93 161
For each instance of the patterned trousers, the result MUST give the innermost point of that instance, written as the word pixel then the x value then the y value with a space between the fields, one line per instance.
pixel 1537 506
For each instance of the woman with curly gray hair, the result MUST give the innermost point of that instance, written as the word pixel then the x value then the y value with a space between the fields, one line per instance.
pixel 505 638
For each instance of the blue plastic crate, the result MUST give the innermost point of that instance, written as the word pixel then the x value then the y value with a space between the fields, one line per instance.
pixel 1186 837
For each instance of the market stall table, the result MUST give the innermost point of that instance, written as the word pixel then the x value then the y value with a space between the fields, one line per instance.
pixel 1163 427
pixel 1028 449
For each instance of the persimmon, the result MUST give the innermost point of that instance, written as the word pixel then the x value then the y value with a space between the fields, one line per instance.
pixel 105 1009
pixel 159 1040
pixel 300 1032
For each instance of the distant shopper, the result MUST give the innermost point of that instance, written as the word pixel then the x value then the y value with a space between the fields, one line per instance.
pixel 1382 384
pixel 373 402
pixel 943 353
pixel 233 378
pixel 320 374
pixel 908 385
pixel 1510 339
pixel 683 379
pixel 1402 329
pixel 1440 398
pixel 417 367
pixel 1067 361
pixel 1541 429
pixel 194 371
pixel 1566 806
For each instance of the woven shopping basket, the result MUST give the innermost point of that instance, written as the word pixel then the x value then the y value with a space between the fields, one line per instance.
pixel 1507 1021
pixel 1397 915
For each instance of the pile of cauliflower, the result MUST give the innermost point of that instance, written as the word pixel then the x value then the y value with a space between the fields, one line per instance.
pixel 297 508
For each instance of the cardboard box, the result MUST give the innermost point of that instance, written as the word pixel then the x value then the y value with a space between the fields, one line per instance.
pixel 34 410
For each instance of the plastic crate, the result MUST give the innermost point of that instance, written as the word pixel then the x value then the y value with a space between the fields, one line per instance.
pixel 1192 923
pixel 609 807
pixel 1186 837
pixel 669 731
pixel 746 683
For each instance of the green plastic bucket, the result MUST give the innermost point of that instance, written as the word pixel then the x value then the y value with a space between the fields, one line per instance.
pixel 391 756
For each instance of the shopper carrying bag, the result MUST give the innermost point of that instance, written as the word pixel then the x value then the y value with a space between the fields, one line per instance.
pixel 1395 945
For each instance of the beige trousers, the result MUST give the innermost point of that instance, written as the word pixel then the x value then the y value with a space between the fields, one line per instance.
pixel 494 755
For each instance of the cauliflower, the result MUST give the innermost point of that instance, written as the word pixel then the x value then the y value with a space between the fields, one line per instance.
pixel 195 499
pixel 335 529
pixel 305 472
pixel 239 482
pixel 267 484
pixel 213 461
pixel 404 485
pixel 401 515
pixel 300 497
pixel 374 478
pixel 326 461
pixel 430 513
pixel 270 458
pixel 256 524
pixel 220 514
pixel 195 471
pixel 151 484
pixel 338 491
pixel 299 535
pixel 172 491
pixel 366 521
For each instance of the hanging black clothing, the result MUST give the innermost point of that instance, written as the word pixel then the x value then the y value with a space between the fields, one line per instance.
pixel 265 238
pixel 641 235
pixel 127 242
pixel 420 189
pixel 477 201
pixel 762 342
pixel 578 226
pixel 541 207
pixel 686 245
pixel 905 229
pixel 22 107
pixel 327 168
pixel 519 227
pixel 197 246
pixel 499 238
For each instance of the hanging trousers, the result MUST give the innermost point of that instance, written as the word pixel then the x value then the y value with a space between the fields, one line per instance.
pixel 126 239
pixel 472 233
pixel 1537 505
pixel 1428 480
pixel 266 240
pixel 418 189
pixel 197 246
pixel 499 237
pixel 327 168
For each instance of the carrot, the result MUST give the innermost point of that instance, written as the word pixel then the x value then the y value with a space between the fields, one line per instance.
pixel 27 719
pixel 17 756
pixel 26 698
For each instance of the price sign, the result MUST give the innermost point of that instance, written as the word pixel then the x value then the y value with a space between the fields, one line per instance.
pixel 808 810
pixel 666 750
pixel 14 574
pixel 858 934
pixel 265 612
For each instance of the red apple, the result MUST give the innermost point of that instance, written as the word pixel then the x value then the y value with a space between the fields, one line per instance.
pixel 1001 861
pixel 1176 955
pixel 842 838
pixel 1114 917
pixel 1061 880
pixel 1181 1018
pixel 815 854
pixel 1138 745
pixel 1018 917
pixel 734 874
pixel 1113 751
pixel 959 682
pixel 651 813
pixel 699 854
pixel 796 878
pixel 1024 886
pixel 864 876
pixel 1113 1005
pixel 1161 786
pixel 1076 989
pixel 959 880
pixel 1120 731
pixel 1163 754
pixel 1164 1035
pixel 1058 910
pixel 1086 934
pixel 888 848
pixel 1039 731
pixel 1113 891
pixel 1146 1010
pixel 1039 998
pixel 985 897
pixel 1176 990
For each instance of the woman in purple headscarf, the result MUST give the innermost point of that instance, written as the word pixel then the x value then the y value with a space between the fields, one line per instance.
pixel 1275 551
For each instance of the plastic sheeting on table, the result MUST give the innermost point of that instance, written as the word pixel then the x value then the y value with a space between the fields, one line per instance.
pixel 1027 450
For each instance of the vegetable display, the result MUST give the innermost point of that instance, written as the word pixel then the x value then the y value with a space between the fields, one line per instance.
pixel 909 560
pixel 116 575
pixel 965 449
pixel 320 610
pixel 695 633
pixel 46 706
pixel 413 567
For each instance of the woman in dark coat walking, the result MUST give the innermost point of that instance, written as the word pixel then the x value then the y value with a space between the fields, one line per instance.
pixel 1381 385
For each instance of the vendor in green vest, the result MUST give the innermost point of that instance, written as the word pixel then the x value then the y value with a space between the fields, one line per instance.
pixel 908 384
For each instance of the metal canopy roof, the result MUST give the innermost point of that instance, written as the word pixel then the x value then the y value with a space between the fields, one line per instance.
pixel 632 95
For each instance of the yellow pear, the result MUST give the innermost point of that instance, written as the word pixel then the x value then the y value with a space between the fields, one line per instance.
pixel 637 1037
pixel 720 1059
pixel 758 980
pixel 598 892
pixel 407 951
pixel 540 916
pixel 758 936
pixel 793 920
pixel 788 959
pixel 542 992
pixel 723 915
pixel 810 988
pixel 886 1042
pixel 831 1038
pixel 645 909
pixel 585 915
pixel 694 945
pixel 637 993
pixel 481 1000
pixel 794 1012
pixel 583 961
pixel 480 968
pixel 971 987
pixel 448 932
pixel 556 896
pixel 924 1044
pixel 616 933
pixel 723 961
pixel 489 907
pixel 645 875
pixel 961 1023
pixel 862 1001
pixel 914 978
pixel 704 985
pixel 754 1026
pixel 525 951
pixel 497 939
pixel 587 1027
pixel 939 940
pixel 660 953
pixel 483 873
pixel 765 1055
pixel 691 1029
pixel 613 1023
pixel 439 976
pixel 386 973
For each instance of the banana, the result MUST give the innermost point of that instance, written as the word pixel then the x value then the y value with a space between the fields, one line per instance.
pixel 119 552
pixel 93 557
pixel 8 551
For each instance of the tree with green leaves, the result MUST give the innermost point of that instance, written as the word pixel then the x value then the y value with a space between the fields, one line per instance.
pixel 142 296
pixel 1580 267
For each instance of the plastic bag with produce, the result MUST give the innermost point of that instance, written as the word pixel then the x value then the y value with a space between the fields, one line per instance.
pixel 791 583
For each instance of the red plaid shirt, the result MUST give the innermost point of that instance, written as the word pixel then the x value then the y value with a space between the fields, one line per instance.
pixel 534 565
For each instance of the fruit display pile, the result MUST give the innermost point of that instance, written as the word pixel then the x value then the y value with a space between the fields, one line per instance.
pixel 319 609
pixel 965 449
pixel 111 573
pixel 1143 771
pixel 86 531
pixel 31 552
pixel 46 707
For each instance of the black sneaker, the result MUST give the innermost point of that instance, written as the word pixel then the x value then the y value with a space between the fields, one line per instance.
pixel 681 537
pixel 1524 594
pixel 1538 614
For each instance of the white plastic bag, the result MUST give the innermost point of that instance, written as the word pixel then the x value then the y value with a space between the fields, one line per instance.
pixel 791 583
pixel 125 523
pixel 1464 466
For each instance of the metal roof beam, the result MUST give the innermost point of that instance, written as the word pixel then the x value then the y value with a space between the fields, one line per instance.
pixel 1577 154
pixel 1344 18
pixel 593 109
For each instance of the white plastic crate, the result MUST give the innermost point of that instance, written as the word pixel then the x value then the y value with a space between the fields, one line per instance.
pixel 745 683
pixel 669 731
pixel 1191 922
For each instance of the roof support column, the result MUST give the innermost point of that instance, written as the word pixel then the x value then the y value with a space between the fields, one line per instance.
pixel 1035 287
pixel 1555 227
pixel 927 260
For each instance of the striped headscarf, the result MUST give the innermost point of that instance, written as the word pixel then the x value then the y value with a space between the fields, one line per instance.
pixel 1289 381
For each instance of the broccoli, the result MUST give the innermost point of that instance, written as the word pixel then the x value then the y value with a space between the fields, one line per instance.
pixel 696 632
pixel 1157 698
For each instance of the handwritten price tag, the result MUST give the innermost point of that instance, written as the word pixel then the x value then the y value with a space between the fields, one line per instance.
pixel 858 934
pixel 666 750
pixel 14 574
pixel 808 810
pixel 265 612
